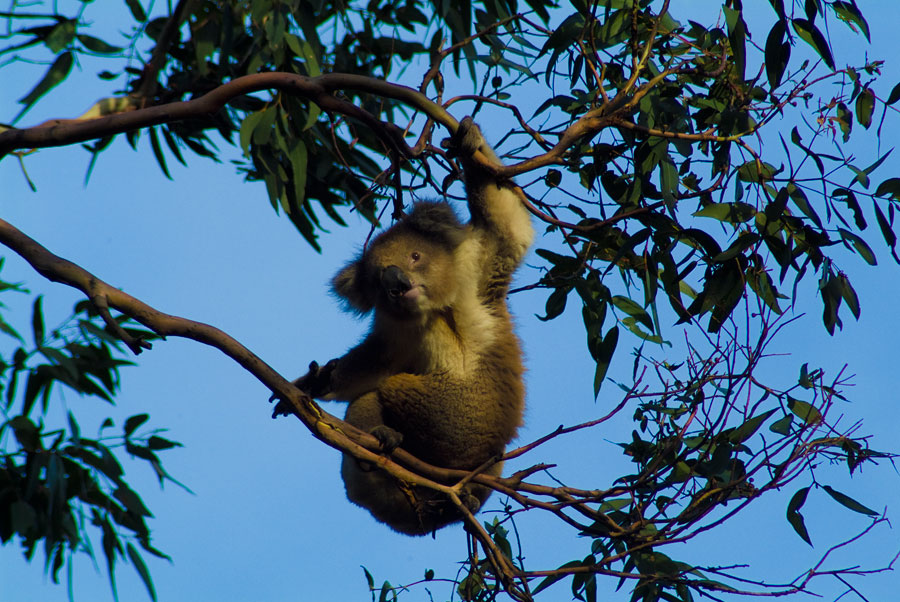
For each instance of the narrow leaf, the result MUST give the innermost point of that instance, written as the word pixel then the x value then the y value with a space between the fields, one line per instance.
pixel 141 569
pixel 859 245
pixel 849 502
pixel 137 11
pixel 894 96
pixel 97 45
pixel 777 54
pixel 158 154
pixel 794 517
pixel 605 353
pixel 886 230
pixel 57 72
pixel 37 321
pixel 810 34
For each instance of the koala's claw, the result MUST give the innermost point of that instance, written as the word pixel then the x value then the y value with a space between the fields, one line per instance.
pixel 315 383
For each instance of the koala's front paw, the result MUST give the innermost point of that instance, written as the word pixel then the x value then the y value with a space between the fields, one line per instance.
pixel 315 383
pixel 472 503
pixel 388 437
pixel 468 138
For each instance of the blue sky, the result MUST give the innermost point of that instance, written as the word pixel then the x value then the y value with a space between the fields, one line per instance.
pixel 269 520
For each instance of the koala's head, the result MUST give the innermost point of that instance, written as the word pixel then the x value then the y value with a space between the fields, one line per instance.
pixel 409 270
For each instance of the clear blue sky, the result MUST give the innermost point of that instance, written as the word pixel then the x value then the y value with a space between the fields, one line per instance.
pixel 269 520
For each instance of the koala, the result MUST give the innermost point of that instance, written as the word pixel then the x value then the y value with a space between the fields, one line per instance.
pixel 440 372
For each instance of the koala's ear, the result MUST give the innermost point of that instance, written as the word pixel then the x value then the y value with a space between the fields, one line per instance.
pixel 351 287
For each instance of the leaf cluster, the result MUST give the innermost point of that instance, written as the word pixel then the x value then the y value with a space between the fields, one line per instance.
pixel 683 171
pixel 59 487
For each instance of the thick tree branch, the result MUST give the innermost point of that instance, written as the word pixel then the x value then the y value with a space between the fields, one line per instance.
pixel 320 90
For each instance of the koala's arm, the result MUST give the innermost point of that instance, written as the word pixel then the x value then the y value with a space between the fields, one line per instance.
pixel 359 371
pixel 494 205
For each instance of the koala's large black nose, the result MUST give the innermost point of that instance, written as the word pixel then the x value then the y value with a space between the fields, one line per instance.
pixel 395 281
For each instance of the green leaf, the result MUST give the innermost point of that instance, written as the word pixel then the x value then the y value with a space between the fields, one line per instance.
pixel 865 105
pixel 889 188
pixel 795 138
pixel 754 171
pixel 556 304
pixel 37 321
pixel 57 72
pixel 849 295
pixel 782 426
pixel 847 12
pixel 777 54
pixel 298 158
pixel 131 500
pixel 894 96
pixel 97 45
pixel 749 428
pixel 561 38
pixel 157 443
pixel 633 309
pixel 805 411
pixel 27 433
pixel 141 569
pixel 157 152
pixel 860 245
pixel 810 34
pixel 556 576
pixel 604 354
pixel 247 126
pixel 668 180
pixel 862 175
pixel 886 230
pixel 845 120
pixel 73 427
pixel 849 502
pixel 795 518
pixel 61 36
pixel 134 422
pixel 743 242
pixel 804 380
pixel 733 213
pixel 799 197
pixel 850 199
pixel 137 11
pixel 761 284
pixel 737 36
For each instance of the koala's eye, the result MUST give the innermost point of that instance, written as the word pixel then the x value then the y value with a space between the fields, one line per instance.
pixel 415 256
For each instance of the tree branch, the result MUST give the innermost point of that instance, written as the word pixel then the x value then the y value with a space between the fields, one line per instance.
pixel 320 90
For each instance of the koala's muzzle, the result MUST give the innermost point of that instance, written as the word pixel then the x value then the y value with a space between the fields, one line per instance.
pixel 395 281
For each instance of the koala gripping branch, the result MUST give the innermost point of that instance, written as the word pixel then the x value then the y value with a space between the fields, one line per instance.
pixel 331 430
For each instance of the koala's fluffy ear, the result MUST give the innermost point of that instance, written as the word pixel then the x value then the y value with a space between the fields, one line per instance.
pixel 349 285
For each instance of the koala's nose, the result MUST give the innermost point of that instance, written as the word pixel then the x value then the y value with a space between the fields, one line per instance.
pixel 395 281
